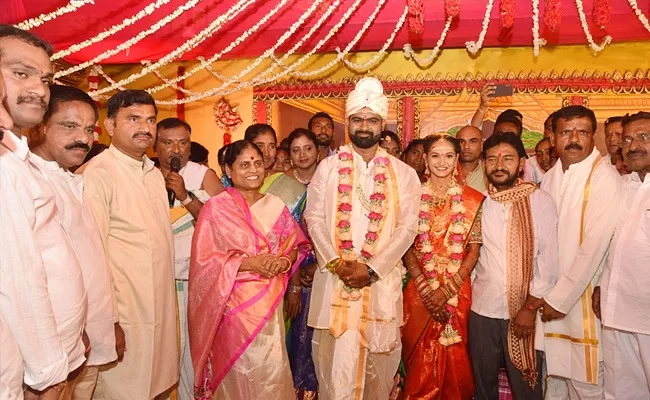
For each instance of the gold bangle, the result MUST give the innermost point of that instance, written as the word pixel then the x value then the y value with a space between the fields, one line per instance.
pixel 333 265
pixel 290 264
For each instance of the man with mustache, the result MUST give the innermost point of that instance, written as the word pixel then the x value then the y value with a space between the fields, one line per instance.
pixel 471 145
pixel 66 135
pixel 356 345
pixel 322 125
pixel 517 266
pixel 588 193
pixel 41 285
pixel 625 301
pixel 128 198
pixel 192 185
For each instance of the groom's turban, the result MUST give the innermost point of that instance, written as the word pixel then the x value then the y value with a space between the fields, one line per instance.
pixel 367 93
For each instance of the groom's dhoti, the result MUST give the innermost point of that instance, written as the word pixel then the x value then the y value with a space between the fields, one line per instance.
pixel 346 370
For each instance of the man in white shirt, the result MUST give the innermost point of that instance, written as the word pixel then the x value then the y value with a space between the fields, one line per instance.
pixel 362 208
pixel 625 287
pixel 588 194
pixel 43 301
pixel 613 135
pixel 192 185
pixel 516 268
pixel 65 137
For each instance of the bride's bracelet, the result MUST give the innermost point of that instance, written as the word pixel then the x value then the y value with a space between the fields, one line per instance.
pixel 289 264
pixel 294 289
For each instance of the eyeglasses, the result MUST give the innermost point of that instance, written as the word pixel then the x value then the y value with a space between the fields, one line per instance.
pixel 568 132
pixel 641 138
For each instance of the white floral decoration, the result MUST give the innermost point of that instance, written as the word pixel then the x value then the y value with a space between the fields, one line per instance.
pixel 537 40
pixel 474 47
pixel 131 42
pixel 583 21
pixel 235 10
pixel 74 5
pixel 639 14
pixel 425 62
pixel 148 10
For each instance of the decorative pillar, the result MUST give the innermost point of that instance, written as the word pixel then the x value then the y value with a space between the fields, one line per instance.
pixel 262 112
pixel 180 108
pixel 408 119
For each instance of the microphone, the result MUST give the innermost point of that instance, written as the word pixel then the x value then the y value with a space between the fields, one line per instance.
pixel 175 166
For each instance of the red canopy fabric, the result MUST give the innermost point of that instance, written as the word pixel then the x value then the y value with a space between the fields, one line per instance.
pixel 92 19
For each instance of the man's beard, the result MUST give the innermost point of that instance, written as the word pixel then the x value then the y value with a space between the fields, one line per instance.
pixel 509 182
pixel 323 140
pixel 365 142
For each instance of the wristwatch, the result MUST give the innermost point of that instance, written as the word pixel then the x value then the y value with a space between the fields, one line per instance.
pixel 372 275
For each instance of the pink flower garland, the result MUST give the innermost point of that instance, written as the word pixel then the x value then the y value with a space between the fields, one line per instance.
pixel 507 8
pixel 553 14
pixel 344 211
pixel 602 13
pixel 452 8
pixel 457 234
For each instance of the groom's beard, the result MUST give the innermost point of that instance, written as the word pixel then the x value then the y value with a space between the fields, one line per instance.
pixel 366 141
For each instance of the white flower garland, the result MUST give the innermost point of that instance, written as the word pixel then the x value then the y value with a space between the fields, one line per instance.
pixel 639 14
pixel 380 54
pixel 160 76
pixel 425 62
pixel 537 41
pixel 235 10
pixel 74 5
pixel 148 10
pixel 583 21
pixel 131 42
pixel 474 47
pixel 243 37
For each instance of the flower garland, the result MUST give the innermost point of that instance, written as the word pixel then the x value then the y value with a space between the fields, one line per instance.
pixel 553 14
pixel 131 42
pixel 380 54
pixel 583 21
pixel 214 26
pixel 425 62
pixel 452 8
pixel 74 5
pixel 639 14
pixel 458 233
pixel 344 211
pixel 148 10
pixel 602 13
pixel 243 37
pixel 537 41
pixel 507 13
pixel 474 47
pixel 416 16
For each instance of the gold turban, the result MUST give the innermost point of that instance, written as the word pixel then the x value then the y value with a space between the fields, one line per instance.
pixel 367 93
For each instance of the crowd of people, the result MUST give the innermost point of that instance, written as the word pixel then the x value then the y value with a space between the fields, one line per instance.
pixel 311 269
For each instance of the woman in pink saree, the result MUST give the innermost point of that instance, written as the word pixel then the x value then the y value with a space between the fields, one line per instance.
pixel 245 247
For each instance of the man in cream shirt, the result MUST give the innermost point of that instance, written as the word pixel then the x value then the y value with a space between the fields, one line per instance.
pixel 42 301
pixel 588 194
pixel 625 287
pixel 64 139
pixel 357 287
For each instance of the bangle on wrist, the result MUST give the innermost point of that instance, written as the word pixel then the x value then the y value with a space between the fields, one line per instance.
pixel 187 200
pixel 294 289
pixel 333 265
pixel 289 264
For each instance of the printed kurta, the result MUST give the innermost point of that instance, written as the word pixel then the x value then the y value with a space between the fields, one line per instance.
pixel 129 201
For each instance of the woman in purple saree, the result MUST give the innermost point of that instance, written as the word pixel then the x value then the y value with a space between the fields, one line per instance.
pixel 245 247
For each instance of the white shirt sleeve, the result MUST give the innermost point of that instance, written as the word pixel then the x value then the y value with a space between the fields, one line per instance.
pixel 601 218
pixel 545 219
pixel 24 298
pixel 403 236
pixel 316 210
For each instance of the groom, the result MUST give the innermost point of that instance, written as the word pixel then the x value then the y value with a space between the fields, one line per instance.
pixel 362 209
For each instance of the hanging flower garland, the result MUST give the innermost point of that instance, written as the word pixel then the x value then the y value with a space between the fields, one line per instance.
pixel 639 14
pixel 474 47
pixel 160 76
pixel 425 62
pixel 602 13
pixel 214 26
pixel 148 10
pixel 131 42
pixel 537 41
pixel 507 13
pixel 553 14
pixel 452 8
pixel 416 16
pixel 74 5
pixel 227 119
pixel 438 275
pixel 245 36
pixel 583 21
pixel 377 211
pixel 380 54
